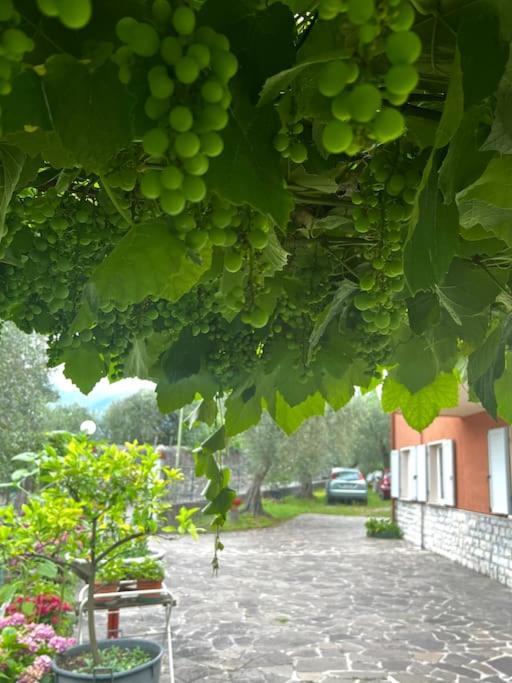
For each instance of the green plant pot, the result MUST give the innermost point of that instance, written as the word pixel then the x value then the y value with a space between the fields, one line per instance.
pixel 146 673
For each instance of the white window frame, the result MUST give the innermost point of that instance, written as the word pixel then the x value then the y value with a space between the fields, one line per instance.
pixel 499 438
pixel 441 484
pixel 408 473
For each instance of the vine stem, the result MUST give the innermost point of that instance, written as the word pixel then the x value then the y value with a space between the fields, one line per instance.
pixel 114 201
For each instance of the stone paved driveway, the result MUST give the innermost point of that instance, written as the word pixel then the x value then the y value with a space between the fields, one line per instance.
pixel 314 600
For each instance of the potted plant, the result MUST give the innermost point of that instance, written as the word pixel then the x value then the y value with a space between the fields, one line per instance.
pixel 95 500
pixel 148 573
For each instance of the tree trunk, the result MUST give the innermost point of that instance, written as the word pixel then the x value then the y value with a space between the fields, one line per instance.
pixel 253 503
pixel 306 488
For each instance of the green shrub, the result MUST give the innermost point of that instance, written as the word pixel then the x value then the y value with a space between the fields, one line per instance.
pixel 382 528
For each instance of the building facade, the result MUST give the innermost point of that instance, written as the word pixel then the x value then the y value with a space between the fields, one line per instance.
pixel 452 488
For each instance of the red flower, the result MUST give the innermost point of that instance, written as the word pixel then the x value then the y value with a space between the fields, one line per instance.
pixel 236 503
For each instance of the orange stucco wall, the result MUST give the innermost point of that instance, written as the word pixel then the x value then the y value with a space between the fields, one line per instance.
pixel 471 466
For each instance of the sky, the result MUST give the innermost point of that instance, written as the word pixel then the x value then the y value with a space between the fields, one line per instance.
pixel 101 396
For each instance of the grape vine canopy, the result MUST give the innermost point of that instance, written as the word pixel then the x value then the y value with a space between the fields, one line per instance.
pixel 274 202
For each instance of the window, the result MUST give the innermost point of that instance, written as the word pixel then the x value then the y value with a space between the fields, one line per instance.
pixel 499 471
pixel 435 473
pixel 408 473
pixel 425 473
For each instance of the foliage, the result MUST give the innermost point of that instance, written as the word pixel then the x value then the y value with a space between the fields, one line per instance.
pixel 359 434
pixel 122 569
pixel 275 201
pixel 27 648
pixel 382 528
pixel 66 418
pixel 137 418
pixel 25 392
pixel 114 658
pixel 43 608
pixel 95 499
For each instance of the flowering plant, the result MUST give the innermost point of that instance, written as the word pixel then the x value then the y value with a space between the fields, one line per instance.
pixel 43 608
pixel 27 648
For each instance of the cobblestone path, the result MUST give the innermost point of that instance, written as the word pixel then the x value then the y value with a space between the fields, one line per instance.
pixel 315 600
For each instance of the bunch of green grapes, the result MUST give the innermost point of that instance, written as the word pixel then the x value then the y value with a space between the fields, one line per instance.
pixel 235 349
pixel 382 209
pixel 14 44
pixel 73 14
pixel 363 98
pixel 289 142
pixel 187 69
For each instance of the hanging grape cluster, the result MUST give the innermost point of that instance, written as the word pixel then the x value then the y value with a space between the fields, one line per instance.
pixel 187 69
pixel 382 207
pixel 73 14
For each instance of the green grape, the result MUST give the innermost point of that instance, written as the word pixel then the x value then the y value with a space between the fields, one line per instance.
pixel 187 145
pixel 258 317
pixel 211 144
pixel 403 47
pixel 150 185
pixel 214 117
pixel 16 42
pixel 389 124
pixel 144 40
pixel 172 202
pixel 261 222
pixel 224 65
pixel 281 142
pixel 360 11
pixel 233 260
pixel 333 78
pixel 125 29
pixel 368 33
pixel 212 91
pixel 76 14
pixel 382 320
pixel 124 74
pixel 363 301
pixel 340 108
pixel 257 239
pixel 161 11
pixel 402 17
pixel 160 84
pixel 155 142
pixel 194 188
pixel 337 136
pixel 6 9
pixel 123 55
pixel 217 237
pixel 181 119
pixel 185 223
pixel 187 70
pixel 367 281
pixel 171 178
pixel 200 53
pixel 298 153
pixel 156 108
pixel 48 7
pixel 395 184
pixel 364 101
pixel 197 165
pixel 401 79
pixel 197 239
pixel 230 238
pixel 184 20
pixel 170 50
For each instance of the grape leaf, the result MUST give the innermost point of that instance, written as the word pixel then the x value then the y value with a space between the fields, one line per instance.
pixel 290 418
pixel 503 390
pixel 433 235
pixel 84 367
pixel 248 149
pixel 468 289
pixel 488 201
pixel 94 118
pixel 421 408
pixel 423 311
pixel 148 261
pixel 25 107
pixel 337 305
pixel 11 165
pixel 485 366
pixel 243 409
pixel 500 136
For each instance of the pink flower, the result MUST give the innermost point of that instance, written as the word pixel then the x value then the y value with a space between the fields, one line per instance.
pixel 15 619
pixel 41 666
pixel 61 644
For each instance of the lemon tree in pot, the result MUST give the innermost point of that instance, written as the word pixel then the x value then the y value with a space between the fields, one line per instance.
pixel 95 499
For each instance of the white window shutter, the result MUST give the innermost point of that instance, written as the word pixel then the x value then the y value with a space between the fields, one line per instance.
pixel 448 455
pixel 395 474
pixel 413 481
pixel 499 470
pixel 421 473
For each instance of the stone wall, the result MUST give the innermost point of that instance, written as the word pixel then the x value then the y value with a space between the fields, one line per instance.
pixel 478 541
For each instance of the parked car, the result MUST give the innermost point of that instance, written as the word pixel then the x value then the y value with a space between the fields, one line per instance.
pixel 384 485
pixel 346 484
pixel 373 477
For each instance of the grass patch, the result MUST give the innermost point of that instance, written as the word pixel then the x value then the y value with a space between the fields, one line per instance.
pixel 289 507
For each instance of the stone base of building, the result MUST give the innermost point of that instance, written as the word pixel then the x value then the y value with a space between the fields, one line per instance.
pixel 477 541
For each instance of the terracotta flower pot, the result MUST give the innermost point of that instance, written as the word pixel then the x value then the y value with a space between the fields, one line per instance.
pixel 149 584
pixel 105 588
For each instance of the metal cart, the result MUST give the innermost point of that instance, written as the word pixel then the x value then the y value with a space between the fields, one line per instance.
pixel 128 596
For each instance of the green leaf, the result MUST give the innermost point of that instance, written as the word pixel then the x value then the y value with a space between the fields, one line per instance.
pixel 243 409
pixel 453 109
pixel 11 165
pixel 248 148
pixel 421 408
pixel 25 107
pixel 215 442
pixel 483 54
pixel 503 390
pixel 94 116
pixel 174 395
pixel 464 162
pixel 221 504
pixel 336 391
pixel 482 359
pixel 500 137
pixel 468 289
pixel 433 235
pixel 336 306
pixel 423 311
pixel 290 418
pixel 488 201
pixel 84 367
pixel 144 353
pixel 410 373
pixel 485 366
pixel 148 261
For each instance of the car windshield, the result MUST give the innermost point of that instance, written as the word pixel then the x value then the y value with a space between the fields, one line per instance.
pixel 351 475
